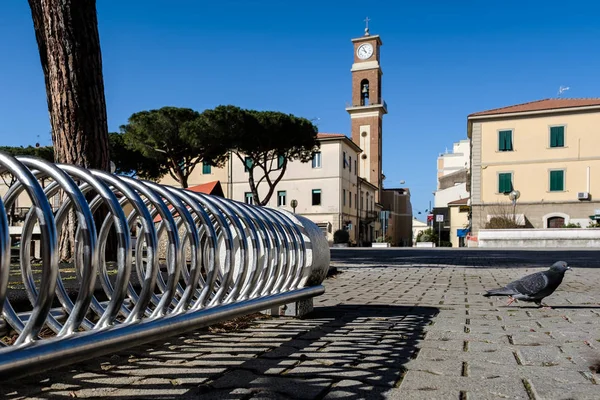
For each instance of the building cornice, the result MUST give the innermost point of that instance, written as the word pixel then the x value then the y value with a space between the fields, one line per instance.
pixel 362 66
pixel 573 110
pixel 367 38
pixel 380 108
pixel 345 139
pixel 363 181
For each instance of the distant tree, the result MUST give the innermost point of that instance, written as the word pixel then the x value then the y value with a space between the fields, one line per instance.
pixel 129 161
pixel 175 139
pixel 263 141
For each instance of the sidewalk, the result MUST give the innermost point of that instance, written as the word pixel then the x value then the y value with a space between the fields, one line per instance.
pixel 378 333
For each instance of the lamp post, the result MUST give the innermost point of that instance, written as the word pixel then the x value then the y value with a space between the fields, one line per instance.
pixel 294 204
pixel 514 196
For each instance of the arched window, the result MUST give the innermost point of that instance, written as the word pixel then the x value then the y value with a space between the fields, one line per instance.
pixel 364 92
pixel 555 222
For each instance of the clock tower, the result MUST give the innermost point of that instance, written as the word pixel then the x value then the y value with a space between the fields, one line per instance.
pixel 367 108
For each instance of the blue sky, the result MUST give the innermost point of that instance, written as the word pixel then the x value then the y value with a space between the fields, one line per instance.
pixel 442 60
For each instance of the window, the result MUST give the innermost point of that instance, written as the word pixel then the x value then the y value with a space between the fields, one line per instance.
pixel 557 181
pixel 349 199
pixel 324 227
pixel 248 164
pixel 344 160
pixel 316 161
pixel 355 201
pixel 205 168
pixel 344 193
pixel 505 141
pixel 505 182
pixel 248 198
pixel 281 198
pixel 350 163
pixel 316 197
pixel 280 161
pixel 557 136
pixel 556 222
pixel 355 167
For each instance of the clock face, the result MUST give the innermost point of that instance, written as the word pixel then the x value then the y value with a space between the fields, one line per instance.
pixel 364 51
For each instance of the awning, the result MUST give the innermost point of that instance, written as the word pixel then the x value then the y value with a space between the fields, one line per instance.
pixel 462 232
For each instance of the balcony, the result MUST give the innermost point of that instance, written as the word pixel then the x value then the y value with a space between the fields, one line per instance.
pixel 369 216
pixel 371 106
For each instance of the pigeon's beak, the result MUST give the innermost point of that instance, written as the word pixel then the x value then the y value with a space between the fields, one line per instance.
pixel 568 268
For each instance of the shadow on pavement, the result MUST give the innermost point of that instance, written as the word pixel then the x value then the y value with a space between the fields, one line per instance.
pixel 349 351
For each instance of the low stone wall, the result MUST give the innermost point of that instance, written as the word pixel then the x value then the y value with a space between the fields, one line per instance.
pixel 561 237
pixel 425 244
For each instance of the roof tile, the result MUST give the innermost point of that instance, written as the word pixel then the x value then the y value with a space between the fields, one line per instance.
pixel 541 105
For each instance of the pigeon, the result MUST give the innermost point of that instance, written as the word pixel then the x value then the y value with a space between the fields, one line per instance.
pixel 535 287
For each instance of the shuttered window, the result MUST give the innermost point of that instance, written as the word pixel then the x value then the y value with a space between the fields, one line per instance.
pixel 505 141
pixel 557 181
pixel 557 136
pixel 505 182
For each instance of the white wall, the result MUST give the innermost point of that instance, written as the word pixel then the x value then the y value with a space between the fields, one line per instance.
pixel 457 192
pixel 560 237
pixel 457 159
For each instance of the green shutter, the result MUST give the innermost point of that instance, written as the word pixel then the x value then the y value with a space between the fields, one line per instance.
pixel 280 161
pixel 205 168
pixel 557 136
pixel 248 164
pixel 504 183
pixel 557 181
pixel 505 141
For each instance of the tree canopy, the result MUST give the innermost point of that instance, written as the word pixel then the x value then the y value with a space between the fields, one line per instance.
pixel 129 161
pixel 175 139
pixel 263 140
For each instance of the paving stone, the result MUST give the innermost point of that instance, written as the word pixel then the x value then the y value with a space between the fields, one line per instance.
pixel 417 326
pixel 544 389
pixel 490 388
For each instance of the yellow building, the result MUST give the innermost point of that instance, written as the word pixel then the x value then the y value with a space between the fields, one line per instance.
pixel 459 222
pixel 548 151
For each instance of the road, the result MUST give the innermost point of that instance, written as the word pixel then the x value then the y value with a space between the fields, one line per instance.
pixel 584 258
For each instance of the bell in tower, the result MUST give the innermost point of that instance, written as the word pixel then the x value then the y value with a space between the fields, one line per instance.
pixel 364 93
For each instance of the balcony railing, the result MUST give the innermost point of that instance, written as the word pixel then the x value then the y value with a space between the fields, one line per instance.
pixel 375 103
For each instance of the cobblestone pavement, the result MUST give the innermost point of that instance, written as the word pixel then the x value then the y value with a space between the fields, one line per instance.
pixel 395 332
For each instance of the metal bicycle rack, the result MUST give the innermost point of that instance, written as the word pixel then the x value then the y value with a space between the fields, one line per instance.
pixel 197 259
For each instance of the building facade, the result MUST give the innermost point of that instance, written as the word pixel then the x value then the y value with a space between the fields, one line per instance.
pixel 459 221
pixel 547 152
pixel 417 227
pixel 452 181
pixel 398 214
pixel 328 190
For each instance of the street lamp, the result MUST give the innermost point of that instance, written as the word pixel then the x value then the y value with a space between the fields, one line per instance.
pixel 514 196
pixel 294 204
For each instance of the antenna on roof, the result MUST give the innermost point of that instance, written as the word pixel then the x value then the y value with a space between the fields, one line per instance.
pixel 562 89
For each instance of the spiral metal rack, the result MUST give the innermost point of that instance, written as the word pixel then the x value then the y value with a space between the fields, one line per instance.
pixel 197 260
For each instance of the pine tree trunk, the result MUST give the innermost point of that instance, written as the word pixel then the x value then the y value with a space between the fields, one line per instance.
pixel 69 45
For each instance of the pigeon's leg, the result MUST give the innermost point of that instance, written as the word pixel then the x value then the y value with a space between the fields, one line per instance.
pixel 510 300
pixel 544 306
